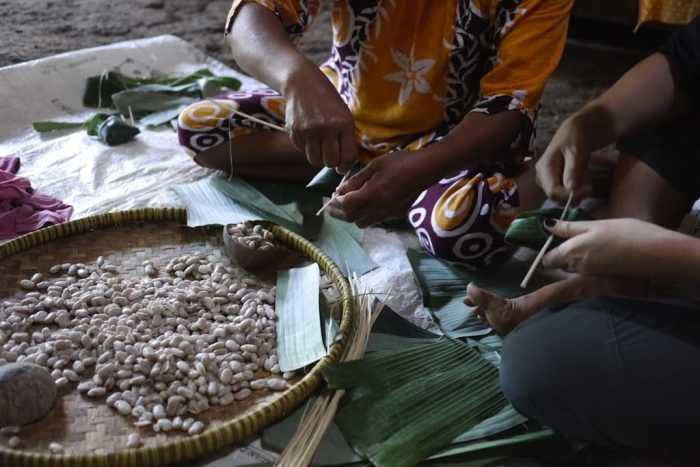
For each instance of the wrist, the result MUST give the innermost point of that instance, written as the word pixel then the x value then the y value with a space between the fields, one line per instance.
pixel 680 257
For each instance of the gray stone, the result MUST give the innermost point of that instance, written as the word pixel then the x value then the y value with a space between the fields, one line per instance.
pixel 27 393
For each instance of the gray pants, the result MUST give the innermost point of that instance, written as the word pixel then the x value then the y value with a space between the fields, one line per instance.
pixel 611 371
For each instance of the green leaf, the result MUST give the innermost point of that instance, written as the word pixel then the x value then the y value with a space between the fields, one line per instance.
pixel 92 124
pixel 208 205
pixel 498 443
pixel 100 89
pixel 213 86
pixel 394 417
pixel 148 99
pixel 157 119
pixel 48 126
pixel 327 179
pixel 114 131
pixel 339 240
pixel 252 199
pixel 528 228
pixel 299 337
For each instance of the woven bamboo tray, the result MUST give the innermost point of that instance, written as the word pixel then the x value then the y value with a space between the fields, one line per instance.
pixel 93 434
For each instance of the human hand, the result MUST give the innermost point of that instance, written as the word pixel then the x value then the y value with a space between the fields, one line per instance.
pixel 384 188
pixel 624 247
pixel 562 168
pixel 319 122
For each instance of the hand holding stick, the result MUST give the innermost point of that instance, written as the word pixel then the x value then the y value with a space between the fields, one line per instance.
pixel 546 246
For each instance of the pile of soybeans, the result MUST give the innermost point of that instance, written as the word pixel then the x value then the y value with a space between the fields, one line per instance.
pixel 161 349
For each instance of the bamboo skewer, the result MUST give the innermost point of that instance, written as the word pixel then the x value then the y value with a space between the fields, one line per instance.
pixel 545 247
pixel 284 130
pixel 333 196
pixel 131 117
pixel 260 121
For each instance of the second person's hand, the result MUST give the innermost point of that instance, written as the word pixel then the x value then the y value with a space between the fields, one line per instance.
pixel 562 168
pixel 318 120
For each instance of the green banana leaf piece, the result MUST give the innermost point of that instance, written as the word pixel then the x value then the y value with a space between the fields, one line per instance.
pixel 299 337
pixel 149 99
pixel 48 126
pixel 393 333
pixel 99 89
pixel 155 101
pixel 110 129
pixel 394 417
pixel 114 131
pixel 90 124
pixel 326 180
pixel 528 228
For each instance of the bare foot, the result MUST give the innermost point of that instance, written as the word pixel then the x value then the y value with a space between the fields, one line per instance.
pixel 504 314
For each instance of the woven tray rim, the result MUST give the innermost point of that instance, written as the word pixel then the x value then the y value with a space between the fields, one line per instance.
pixel 233 431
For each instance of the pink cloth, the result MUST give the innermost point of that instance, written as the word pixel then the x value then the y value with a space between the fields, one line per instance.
pixel 22 210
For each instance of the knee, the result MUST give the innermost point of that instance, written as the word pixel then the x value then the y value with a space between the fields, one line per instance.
pixel 202 125
pixel 524 373
pixel 464 219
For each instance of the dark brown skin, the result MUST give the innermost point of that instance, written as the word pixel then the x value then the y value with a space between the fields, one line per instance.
pixel 320 124
pixel 322 131
pixel 389 184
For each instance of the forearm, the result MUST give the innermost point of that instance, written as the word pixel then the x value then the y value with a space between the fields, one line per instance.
pixel 479 137
pixel 262 48
pixel 645 95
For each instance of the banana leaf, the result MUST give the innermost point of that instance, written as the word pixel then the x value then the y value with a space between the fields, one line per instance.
pixel 49 126
pixel 393 333
pixel 99 89
pixel 91 124
pixel 110 129
pixel 327 179
pixel 299 337
pixel 394 418
pixel 162 117
pixel 339 241
pixel 207 205
pixel 114 130
pixel 247 196
pixel 444 286
pixel 148 99
pixel 528 228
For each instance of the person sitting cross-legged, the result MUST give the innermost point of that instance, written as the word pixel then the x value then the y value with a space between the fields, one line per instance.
pixel 438 99
pixel 610 354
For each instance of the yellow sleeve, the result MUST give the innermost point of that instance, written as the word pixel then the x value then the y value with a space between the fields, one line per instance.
pixel 530 36
pixel 295 15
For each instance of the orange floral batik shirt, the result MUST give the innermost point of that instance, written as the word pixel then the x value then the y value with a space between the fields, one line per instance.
pixel 408 67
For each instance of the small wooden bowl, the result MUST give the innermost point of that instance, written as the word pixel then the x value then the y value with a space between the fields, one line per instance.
pixel 247 257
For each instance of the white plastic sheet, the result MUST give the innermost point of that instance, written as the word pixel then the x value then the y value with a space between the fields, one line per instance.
pixel 95 178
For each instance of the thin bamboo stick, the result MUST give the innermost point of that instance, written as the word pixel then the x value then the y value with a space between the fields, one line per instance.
pixel 545 247
pixel 333 196
pixel 260 121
